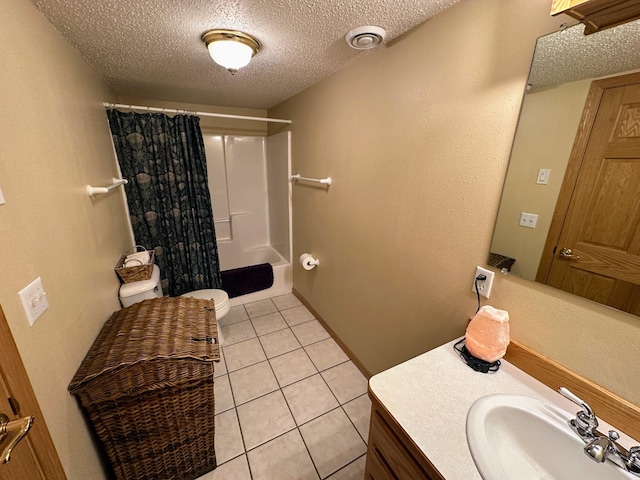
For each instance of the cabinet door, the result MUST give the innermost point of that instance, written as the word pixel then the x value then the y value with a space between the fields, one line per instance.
pixel 598 14
pixel 559 6
pixel 391 455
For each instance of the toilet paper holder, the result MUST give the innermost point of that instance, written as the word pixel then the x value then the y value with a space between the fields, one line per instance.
pixel 308 262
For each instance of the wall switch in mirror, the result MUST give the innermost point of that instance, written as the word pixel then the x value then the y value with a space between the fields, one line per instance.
pixel 528 220
pixel 543 176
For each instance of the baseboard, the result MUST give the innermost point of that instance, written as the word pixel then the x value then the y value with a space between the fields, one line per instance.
pixel 333 334
pixel 606 405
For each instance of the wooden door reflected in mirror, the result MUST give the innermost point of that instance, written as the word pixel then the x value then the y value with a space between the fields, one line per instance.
pixel 562 127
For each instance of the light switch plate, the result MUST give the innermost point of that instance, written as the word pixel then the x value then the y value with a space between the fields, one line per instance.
pixel 2 201
pixel 543 176
pixel 34 300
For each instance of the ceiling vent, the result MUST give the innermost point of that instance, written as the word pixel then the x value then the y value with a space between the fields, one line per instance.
pixel 365 38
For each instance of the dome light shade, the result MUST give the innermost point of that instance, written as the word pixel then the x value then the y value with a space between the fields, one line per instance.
pixel 230 49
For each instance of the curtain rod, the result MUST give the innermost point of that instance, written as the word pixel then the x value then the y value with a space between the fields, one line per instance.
pixel 192 112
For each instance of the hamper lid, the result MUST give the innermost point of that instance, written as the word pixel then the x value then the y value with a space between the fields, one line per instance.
pixel 167 328
pixel 219 297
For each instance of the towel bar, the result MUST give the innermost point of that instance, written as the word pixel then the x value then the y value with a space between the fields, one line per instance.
pixel 92 191
pixel 324 181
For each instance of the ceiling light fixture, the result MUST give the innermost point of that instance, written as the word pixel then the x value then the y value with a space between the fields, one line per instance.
pixel 230 48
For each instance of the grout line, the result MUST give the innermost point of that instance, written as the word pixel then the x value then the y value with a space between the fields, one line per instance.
pixel 352 422
pixel 295 422
pixel 317 372
pixel 345 466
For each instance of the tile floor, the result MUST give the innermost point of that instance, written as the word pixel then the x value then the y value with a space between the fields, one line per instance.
pixel 289 402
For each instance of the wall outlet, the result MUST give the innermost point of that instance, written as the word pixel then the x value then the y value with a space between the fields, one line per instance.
pixel 34 300
pixel 528 220
pixel 484 286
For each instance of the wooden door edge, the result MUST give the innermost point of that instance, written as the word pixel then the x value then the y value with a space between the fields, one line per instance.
pixel 589 112
pixel 20 386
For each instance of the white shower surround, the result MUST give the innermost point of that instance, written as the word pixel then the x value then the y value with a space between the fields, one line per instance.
pixel 250 193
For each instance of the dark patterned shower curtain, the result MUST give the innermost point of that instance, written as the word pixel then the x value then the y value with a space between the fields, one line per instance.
pixel 168 195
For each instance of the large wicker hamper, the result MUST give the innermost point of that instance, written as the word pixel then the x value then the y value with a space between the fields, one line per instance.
pixel 147 387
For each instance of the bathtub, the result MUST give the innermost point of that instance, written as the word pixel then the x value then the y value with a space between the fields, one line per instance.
pixel 231 258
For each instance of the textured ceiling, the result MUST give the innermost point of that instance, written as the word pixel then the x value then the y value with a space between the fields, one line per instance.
pixel 569 55
pixel 152 48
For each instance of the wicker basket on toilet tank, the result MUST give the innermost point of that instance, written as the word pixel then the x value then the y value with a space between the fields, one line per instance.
pixel 147 387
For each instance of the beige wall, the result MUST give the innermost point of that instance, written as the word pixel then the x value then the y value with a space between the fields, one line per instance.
pixel 546 130
pixel 417 137
pixel 54 141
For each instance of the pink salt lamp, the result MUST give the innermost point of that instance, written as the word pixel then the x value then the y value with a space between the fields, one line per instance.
pixel 487 334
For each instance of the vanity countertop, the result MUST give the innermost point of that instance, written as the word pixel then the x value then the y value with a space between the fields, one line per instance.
pixel 429 397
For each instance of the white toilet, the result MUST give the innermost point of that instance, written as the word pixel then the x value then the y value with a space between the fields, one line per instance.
pixel 221 300
pixel 135 292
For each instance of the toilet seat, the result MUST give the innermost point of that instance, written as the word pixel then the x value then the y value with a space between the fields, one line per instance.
pixel 219 297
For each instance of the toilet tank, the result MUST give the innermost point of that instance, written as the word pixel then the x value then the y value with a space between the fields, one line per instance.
pixel 135 292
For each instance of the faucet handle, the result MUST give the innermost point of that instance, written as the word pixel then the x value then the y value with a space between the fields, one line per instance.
pixel 585 420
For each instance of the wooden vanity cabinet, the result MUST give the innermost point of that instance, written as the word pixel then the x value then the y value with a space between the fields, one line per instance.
pixel 391 454
pixel 598 14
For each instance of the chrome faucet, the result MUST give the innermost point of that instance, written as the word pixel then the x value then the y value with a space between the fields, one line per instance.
pixel 600 447
pixel 585 423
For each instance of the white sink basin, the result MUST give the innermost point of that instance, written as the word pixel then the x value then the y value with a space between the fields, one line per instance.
pixel 516 437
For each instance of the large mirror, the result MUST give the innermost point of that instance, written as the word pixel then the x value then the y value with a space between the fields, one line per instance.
pixel 569 215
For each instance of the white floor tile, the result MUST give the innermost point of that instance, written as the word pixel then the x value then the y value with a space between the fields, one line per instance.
pixel 284 302
pixel 309 332
pixel 264 419
pixel 332 441
pixel 280 342
pixel 326 354
pixel 252 382
pixel 234 315
pixel 309 398
pixel 260 402
pixel 237 332
pixel 292 366
pixel 243 354
pixel 346 381
pixel 297 315
pixel 259 308
pixel 222 394
pixel 228 440
pixel 359 412
pixel 236 469
pixel 220 368
pixel 353 471
pixel 284 458
pixel 272 322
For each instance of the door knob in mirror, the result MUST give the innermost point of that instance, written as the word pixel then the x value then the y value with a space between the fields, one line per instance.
pixel 567 253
